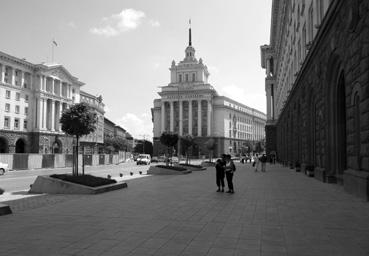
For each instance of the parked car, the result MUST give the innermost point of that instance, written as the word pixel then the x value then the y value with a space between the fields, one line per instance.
pixel 154 159
pixel 3 168
pixel 143 159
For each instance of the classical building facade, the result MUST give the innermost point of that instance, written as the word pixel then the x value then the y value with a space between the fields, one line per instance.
pixel 93 141
pixel 317 75
pixel 33 97
pixel 190 105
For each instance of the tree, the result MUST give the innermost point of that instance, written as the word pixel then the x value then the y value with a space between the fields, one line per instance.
pixel 169 139
pixel 187 142
pixel 210 145
pixel 144 147
pixel 78 120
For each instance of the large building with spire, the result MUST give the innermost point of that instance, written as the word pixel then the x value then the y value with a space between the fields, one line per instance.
pixel 190 105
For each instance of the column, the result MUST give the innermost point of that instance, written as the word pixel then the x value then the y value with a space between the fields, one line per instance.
pixel 180 118
pixel 44 117
pixel 199 118
pixel 171 117
pixel 22 78
pixel 13 76
pixel 53 114
pixel 3 73
pixel 162 116
pixel 40 84
pixel 52 86
pixel 209 118
pixel 268 94
pixel 190 117
pixel 39 113
pixel 69 91
pixel 268 66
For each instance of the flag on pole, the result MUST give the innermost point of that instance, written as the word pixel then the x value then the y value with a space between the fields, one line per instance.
pixel 54 42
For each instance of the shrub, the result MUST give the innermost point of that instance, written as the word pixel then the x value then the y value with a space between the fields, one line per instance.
pixel 192 165
pixel 175 168
pixel 87 180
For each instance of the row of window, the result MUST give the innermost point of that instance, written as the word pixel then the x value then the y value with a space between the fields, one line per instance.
pixel 17 108
pixel 17 95
pixel 17 121
pixel 17 80
pixel 186 78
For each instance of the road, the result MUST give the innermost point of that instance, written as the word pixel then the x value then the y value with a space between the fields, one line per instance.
pixel 21 180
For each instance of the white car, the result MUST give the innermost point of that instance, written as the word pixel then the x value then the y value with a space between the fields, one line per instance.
pixel 3 168
pixel 143 159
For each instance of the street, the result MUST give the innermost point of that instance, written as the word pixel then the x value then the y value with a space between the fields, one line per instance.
pixel 20 180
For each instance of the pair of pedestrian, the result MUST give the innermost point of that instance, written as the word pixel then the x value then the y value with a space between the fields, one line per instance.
pixel 225 167
pixel 262 160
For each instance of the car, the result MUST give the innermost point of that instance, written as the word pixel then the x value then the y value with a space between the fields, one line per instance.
pixel 3 168
pixel 154 159
pixel 143 159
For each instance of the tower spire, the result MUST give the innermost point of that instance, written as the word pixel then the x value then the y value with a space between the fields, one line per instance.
pixel 189 34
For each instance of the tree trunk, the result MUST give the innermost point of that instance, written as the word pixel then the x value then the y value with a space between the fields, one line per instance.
pixel 77 156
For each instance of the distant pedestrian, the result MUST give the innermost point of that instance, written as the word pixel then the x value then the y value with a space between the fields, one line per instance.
pixel 263 160
pixel 256 162
pixel 230 168
pixel 219 167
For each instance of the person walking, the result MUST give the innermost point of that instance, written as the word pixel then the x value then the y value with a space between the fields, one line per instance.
pixel 256 162
pixel 230 168
pixel 263 160
pixel 219 167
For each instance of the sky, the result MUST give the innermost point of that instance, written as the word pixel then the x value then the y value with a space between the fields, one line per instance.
pixel 122 49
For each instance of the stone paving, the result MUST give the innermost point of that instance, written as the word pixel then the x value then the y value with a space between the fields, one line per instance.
pixel 279 212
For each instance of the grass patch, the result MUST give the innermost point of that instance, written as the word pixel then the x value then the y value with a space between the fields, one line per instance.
pixel 175 168
pixel 192 165
pixel 87 180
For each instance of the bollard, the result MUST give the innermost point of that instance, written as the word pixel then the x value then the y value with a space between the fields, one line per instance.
pixel 120 174
pixel 109 176
pixel 140 172
pixel 131 173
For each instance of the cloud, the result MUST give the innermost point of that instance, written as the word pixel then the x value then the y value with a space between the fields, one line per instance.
pixel 126 20
pixel 240 94
pixel 156 65
pixel 137 125
pixel 154 23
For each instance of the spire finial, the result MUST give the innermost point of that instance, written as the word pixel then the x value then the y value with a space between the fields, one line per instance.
pixel 190 42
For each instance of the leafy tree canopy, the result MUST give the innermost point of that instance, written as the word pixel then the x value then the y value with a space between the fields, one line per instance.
pixel 210 144
pixel 187 141
pixel 78 120
pixel 169 139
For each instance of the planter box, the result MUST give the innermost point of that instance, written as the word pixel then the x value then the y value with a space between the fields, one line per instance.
pixel 5 209
pixel 192 168
pixel 46 184
pixel 164 171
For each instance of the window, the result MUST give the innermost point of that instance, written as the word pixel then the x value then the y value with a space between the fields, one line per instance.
pixel 25 124
pixel 17 96
pixel 27 97
pixel 186 77
pixel 193 77
pixel 7 94
pixel 16 124
pixel 7 107
pixel 17 109
pixel 26 110
pixel 180 78
pixel 7 122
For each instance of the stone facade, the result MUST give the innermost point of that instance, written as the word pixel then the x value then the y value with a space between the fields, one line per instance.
pixel 325 119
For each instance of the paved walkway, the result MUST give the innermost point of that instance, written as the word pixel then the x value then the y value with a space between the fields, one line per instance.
pixel 279 212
